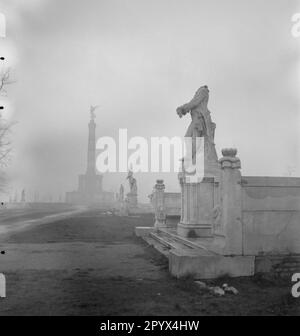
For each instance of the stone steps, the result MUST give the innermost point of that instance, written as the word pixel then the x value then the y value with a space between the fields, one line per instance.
pixel 167 242
pixel 192 244
pixel 157 245
pixel 193 258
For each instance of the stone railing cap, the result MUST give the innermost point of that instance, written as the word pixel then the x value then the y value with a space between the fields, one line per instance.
pixel 229 152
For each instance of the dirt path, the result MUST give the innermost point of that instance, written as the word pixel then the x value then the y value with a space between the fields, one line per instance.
pixel 23 218
pixel 92 264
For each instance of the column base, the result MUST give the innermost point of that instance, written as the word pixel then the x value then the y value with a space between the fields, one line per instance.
pixel 194 230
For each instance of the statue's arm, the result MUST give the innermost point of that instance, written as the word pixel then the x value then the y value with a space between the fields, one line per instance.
pixel 186 108
pixel 195 101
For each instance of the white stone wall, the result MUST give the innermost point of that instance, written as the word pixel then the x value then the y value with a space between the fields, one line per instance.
pixel 271 215
pixel 172 203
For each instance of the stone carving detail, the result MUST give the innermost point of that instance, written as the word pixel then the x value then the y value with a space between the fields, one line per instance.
pixel 159 185
pixel 229 159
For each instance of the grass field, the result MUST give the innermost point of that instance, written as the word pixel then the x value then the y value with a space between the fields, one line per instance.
pixel 92 264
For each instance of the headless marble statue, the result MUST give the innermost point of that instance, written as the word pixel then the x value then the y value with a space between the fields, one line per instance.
pixel 201 125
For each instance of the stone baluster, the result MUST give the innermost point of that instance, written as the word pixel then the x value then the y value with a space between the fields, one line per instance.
pixel 231 196
pixel 181 178
pixel 159 204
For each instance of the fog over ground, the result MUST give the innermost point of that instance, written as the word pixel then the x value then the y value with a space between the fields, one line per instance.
pixel 139 60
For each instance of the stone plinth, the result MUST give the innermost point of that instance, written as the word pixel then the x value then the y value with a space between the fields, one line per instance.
pixel 131 200
pixel 200 194
pixel 197 207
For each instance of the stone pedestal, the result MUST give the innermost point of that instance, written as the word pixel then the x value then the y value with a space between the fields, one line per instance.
pixel 199 194
pixel 198 201
pixel 131 200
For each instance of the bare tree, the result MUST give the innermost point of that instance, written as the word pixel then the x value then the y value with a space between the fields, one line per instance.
pixel 4 80
pixel 5 130
pixel 5 143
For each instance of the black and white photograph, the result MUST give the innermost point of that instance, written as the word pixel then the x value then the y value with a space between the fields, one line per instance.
pixel 149 161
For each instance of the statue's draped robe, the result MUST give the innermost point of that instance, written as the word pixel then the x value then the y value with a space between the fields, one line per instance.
pixel 201 125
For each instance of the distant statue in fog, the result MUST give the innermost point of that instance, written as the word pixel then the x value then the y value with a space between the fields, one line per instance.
pixel 23 198
pixel 132 182
pixel 121 194
pixel 92 109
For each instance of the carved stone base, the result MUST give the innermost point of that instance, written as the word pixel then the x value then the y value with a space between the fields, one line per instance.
pixel 194 231
pixel 132 200
pixel 198 202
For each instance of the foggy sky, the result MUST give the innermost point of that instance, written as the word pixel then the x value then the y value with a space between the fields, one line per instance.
pixel 139 60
